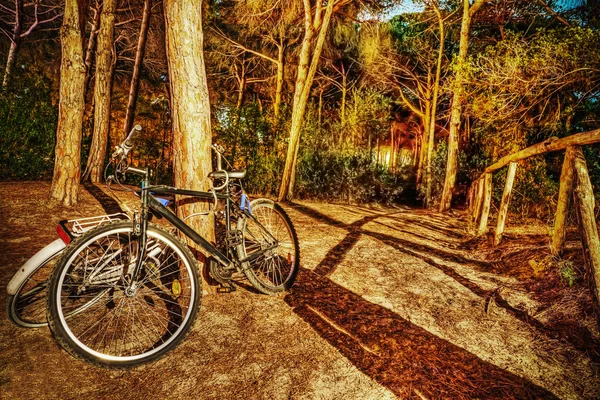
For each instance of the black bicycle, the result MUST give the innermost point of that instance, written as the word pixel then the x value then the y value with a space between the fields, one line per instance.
pixel 135 286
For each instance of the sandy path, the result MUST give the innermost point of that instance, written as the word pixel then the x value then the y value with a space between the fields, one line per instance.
pixel 385 306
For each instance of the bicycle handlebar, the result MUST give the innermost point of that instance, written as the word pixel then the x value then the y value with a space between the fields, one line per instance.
pixel 124 148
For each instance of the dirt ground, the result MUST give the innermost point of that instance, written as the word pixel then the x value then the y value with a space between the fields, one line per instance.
pixel 389 303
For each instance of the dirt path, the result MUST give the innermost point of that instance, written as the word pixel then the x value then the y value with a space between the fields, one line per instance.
pixel 386 305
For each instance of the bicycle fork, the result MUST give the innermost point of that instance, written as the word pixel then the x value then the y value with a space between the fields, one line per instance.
pixel 140 229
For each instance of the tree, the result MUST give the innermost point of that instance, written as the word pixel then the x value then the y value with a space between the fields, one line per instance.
pixel 102 92
pixel 67 164
pixel 27 18
pixel 406 58
pixel 315 30
pixel 258 32
pixel 430 130
pixel 457 99
pixel 190 105
pixel 137 67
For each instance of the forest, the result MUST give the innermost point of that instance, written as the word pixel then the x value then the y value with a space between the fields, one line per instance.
pixel 348 113
pixel 387 94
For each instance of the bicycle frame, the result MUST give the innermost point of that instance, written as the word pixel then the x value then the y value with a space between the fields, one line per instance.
pixel 150 204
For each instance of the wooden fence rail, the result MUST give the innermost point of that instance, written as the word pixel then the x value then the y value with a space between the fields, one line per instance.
pixel 574 182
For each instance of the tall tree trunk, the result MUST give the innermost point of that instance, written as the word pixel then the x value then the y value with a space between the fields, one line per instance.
pixel 241 91
pixel 137 68
pixel 190 106
pixel 425 137
pixel 307 68
pixel 458 89
pixel 280 79
pixel 67 164
pixel 15 44
pixel 102 92
pixel 434 100
pixel 344 95
pixel 89 53
pixel 392 141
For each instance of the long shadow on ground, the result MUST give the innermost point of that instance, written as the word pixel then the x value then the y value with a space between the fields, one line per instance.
pixel 398 354
pixel 328 265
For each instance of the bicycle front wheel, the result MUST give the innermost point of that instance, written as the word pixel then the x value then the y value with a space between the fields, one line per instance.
pixel 269 250
pixel 116 325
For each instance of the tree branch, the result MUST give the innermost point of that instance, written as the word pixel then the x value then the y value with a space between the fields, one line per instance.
pixel 554 13
pixel 242 47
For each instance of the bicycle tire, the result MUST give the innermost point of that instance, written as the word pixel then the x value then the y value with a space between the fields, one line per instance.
pixel 123 330
pixel 276 271
pixel 26 308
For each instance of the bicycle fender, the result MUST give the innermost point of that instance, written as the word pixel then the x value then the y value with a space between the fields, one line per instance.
pixel 32 264
pixel 262 200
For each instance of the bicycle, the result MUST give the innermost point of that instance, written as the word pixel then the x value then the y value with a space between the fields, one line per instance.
pixel 139 283
pixel 27 289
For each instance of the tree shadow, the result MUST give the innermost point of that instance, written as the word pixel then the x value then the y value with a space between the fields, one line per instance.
pixel 334 257
pixel 406 359
pixel 356 228
pixel 110 205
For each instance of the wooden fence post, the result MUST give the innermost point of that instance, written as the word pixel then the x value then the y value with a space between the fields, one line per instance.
pixel 562 208
pixel 590 241
pixel 477 196
pixel 487 200
pixel 510 179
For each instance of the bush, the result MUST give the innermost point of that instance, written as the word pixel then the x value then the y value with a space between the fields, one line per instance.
pixel 353 178
pixel 253 144
pixel 27 132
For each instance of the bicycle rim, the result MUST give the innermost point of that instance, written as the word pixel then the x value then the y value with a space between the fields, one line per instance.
pixel 110 326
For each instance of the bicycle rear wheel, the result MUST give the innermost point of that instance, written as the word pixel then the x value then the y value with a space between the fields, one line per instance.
pixel 113 326
pixel 27 306
pixel 270 244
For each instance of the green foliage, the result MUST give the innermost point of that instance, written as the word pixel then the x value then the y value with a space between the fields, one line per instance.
pixel 534 192
pixel 350 177
pixel 567 272
pixel 28 129
pixel 253 145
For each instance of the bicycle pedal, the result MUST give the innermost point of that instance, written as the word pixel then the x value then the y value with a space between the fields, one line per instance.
pixel 226 289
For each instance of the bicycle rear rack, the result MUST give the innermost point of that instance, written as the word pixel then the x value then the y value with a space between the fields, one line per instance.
pixel 72 228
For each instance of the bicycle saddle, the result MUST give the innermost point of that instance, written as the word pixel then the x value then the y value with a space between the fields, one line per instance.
pixel 231 174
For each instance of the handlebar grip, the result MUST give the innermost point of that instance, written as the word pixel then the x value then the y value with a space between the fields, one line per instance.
pixel 128 143
pixel 137 171
pixel 123 148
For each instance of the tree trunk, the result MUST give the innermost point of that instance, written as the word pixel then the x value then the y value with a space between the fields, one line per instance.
pixel 190 107
pixel 102 93
pixel 241 91
pixel 15 44
pixel 434 100
pixel 425 137
pixel 320 112
pixel 344 95
pixel 137 68
pixel 562 208
pixel 67 164
pixel 280 80
pixel 590 240
pixel 307 68
pixel 456 108
pixel 89 53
